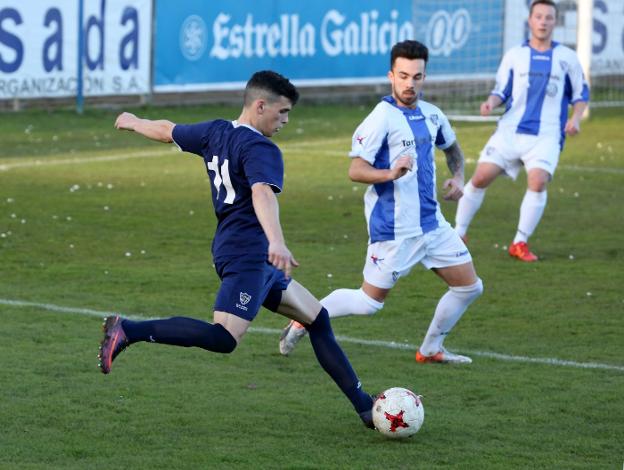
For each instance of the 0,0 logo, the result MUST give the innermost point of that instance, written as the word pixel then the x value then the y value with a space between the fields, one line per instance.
pixel 446 32
pixel 193 37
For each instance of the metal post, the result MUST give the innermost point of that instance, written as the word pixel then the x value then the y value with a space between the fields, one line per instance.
pixel 584 27
pixel 79 78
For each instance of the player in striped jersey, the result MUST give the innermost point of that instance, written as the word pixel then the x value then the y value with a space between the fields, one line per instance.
pixel 537 82
pixel 393 152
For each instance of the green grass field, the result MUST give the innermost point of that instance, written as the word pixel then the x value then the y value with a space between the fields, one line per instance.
pixel 93 220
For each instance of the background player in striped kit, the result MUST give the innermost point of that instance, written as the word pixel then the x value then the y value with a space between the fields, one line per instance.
pixel 392 151
pixel 537 81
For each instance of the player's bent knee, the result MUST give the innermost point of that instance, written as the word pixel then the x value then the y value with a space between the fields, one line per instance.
pixel 481 181
pixel 367 305
pixel 370 310
pixel 224 342
pixel 229 349
pixel 478 183
pixel 470 292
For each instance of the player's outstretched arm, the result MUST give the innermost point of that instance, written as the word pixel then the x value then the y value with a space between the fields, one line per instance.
pixel 361 171
pixel 455 162
pixel 267 210
pixel 160 130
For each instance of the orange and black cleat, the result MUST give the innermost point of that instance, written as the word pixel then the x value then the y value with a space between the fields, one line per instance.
pixel 114 342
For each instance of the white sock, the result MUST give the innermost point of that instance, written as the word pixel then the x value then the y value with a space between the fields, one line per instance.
pixel 450 309
pixel 467 207
pixel 531 211
pixel 343 302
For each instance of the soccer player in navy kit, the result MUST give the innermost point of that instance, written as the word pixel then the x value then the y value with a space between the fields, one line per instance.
pixel 249 251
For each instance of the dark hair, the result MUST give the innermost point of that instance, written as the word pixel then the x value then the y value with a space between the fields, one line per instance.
pixel 270 85
pixel 409 49
pixel 550 3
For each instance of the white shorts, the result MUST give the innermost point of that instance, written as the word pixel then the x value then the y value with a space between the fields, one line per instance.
pixel 511 151
pixel 387 261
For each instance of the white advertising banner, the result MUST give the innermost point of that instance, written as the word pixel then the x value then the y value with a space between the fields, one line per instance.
pixel 39 47
pixel 607 34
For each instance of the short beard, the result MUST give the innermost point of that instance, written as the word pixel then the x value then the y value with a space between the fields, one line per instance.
pixel 405 103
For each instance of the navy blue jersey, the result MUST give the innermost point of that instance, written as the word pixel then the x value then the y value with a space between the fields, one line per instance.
pixel 236 157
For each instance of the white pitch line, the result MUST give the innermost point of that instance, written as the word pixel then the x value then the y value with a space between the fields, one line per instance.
pixel 112 158
pixel 79 161
pixel 344 339
pixel 61 309
pixel 288 147
pixel 588 169
pixel 593 169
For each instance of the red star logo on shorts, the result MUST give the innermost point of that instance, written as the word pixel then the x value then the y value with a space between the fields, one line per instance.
pixel 376 260
pixel 396 421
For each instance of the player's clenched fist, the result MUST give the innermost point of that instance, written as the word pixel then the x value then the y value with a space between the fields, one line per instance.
pixel 125 121
pixel 402 166
pixel 281 257
pixel 455 189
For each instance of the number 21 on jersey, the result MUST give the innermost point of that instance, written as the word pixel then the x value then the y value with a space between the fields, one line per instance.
pixel 222 176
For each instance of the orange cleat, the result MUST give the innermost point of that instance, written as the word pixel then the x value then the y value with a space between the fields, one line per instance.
pixel 114 342
pixel 521 251
pixel 442 357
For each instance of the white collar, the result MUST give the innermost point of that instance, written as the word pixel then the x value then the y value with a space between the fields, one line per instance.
pixel 235 123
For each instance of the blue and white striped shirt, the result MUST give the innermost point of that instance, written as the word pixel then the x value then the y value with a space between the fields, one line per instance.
pixel 407 206
pixel 537 88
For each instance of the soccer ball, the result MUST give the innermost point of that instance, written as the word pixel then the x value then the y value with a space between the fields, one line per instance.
pixel 398 413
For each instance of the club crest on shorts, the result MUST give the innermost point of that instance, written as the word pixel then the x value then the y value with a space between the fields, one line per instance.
pixel 244 298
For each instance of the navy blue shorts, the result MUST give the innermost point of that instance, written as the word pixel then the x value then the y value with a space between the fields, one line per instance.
pixel 246 284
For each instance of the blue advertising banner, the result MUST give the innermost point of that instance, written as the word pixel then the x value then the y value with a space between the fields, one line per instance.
pixel 464 37
pixel 218 45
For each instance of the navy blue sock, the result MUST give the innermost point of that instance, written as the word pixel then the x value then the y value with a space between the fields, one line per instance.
pixel 181 331
pixel 335 362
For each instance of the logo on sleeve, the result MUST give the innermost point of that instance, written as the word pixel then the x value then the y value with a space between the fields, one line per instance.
pixel 360 139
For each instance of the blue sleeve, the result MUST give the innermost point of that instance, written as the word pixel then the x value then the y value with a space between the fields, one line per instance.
pixel 191 137
pixel 263 163
pixel 505 77
pixel 446 135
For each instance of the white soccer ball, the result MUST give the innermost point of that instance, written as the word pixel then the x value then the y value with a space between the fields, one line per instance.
pixel 398 413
